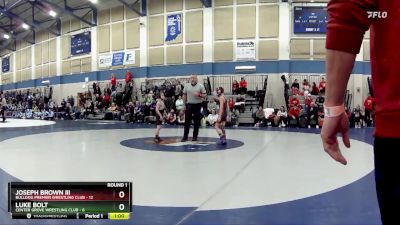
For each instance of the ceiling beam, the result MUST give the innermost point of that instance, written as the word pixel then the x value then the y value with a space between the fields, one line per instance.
pixel 34 24
pixel 12 47
pixel 207 3
pixel 132 7
pixel 9 44
pixel 8 31
pixel 16 4
pixel 70 11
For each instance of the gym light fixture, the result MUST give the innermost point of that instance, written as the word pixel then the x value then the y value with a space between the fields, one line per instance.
pixel 52 13
pixel 25 26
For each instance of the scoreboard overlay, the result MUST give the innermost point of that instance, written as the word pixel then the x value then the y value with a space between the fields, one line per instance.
pixel 72 200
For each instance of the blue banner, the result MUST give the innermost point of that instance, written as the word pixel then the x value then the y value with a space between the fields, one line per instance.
pixel 310 20
pixel 5 64
pixel 118 59
pixel 174 26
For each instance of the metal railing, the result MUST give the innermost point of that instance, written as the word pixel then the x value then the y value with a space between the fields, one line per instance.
pixel 254 82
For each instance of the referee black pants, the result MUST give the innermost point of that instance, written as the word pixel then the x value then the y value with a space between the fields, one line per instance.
pixel 3 113
pixel 193 112
pixel 387 178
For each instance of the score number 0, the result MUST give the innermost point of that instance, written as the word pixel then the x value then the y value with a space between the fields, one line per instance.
pixel 121 194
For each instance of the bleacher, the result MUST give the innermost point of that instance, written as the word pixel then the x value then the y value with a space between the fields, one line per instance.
pixel 255 83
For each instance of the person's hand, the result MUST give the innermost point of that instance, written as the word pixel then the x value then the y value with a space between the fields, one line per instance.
pixel 219 120
pixel 332 126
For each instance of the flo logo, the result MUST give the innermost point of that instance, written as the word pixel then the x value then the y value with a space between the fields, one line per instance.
pixel 377 14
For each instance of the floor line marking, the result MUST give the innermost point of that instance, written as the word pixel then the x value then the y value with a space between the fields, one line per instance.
pixel 227 183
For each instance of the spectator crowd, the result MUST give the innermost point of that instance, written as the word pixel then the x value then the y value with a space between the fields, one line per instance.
pixel 119 100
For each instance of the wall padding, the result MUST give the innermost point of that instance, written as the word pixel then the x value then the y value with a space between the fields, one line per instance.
pixel 156 56
pixel 130 14
pixel 45 70
pixel 66 67
pixel 18 60
pixel 38 54
pixel 245 1
pixel 300 49
pixel 53 69
pixel 319 50
pixel 268 49
pixel 117 14
pixel 75 24
pixel 156 30
pixel 23 59
pixel 118 36
pixel 65 27
pixel 76 66
pixel 174 5
pixel 223 51
pixel 45 51
pixel 194 26
pixel 223 2
pixel 190 4
pixel 103 38
pixel 155 6
pixel 175 55
pixel 223 23
pixel 269 21
pixel 66 46
pixel 29 57
pixel 18 76
pixel 132 34
pixel 245 21
pixel 104 17
pixel 194 53
pixel 52 52
pixel 86 64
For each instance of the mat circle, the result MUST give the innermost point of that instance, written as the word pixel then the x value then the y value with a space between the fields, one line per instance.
pixel 174 144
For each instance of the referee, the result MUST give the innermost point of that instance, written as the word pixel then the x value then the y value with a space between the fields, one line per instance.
pixel 3 106
pixel 193 95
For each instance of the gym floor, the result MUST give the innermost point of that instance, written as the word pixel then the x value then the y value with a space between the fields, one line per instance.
pixel 263 176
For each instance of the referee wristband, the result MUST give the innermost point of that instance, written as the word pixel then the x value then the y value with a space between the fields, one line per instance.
pixel 333 111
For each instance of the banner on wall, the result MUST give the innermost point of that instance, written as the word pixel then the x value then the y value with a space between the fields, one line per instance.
pixel 117 59
pixel 105 60
pixel 129 58
pixel 174 26
pixel 5 64
pixel 245 50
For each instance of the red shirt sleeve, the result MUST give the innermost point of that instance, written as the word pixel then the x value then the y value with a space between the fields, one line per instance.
pixel 322 85
pixel 348 21
pixel 291 111
pixel 128 76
